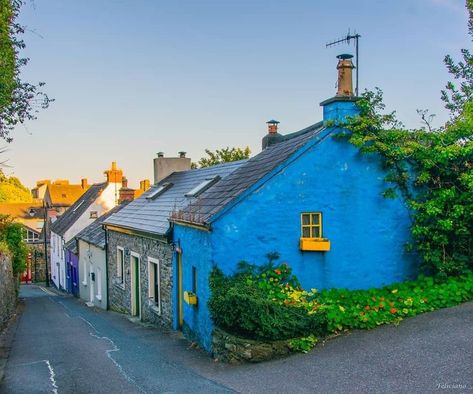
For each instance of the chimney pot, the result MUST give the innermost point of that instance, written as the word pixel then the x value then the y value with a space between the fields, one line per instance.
pixel 345 77
pixel 160 154
pixel 83 183
pixel 124 182
pixel 272 126
pixel 182 155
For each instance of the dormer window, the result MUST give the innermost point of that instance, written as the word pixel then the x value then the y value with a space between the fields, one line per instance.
pixel 157 192
pixel 203 186
pixel 94 214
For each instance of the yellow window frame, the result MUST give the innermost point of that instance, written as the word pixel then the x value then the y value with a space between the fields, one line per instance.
pixel 312 224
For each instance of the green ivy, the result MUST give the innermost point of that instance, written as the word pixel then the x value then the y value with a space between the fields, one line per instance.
pixel 12 243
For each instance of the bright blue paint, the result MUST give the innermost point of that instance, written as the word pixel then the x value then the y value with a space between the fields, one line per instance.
pixel 197 252
pixel 338 110
pixel 367 231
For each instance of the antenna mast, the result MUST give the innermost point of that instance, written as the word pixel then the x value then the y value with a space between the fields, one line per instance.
pixel 347 39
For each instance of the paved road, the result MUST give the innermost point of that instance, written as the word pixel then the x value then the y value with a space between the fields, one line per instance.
pixel 62 346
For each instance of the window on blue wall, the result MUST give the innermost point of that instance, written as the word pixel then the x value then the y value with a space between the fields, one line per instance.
pixel 311 225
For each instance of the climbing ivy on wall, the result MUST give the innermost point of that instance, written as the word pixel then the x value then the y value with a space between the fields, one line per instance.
pixel 433 171
pixel 431 168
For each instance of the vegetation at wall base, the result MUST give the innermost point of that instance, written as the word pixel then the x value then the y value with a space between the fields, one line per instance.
pixel 366 309
pixel 267 303
pixel 13 244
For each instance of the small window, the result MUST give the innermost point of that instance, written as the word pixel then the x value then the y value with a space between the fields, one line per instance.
pixel 94 214
pixel 154 283
pixel 203 186
pixel 154 193
pixel 120 265
pixel 311 224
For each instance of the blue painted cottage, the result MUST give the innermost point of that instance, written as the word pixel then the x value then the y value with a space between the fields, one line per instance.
pixel 313 199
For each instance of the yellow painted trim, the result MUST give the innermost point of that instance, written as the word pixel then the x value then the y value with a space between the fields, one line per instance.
pixel 314 244
pixel 186 223
pixel 311 224
pixel 179 288
pixel 190 298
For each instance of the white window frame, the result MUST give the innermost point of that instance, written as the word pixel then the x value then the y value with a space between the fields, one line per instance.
pixel 121 266
pixel 98 281
pixel 155 305
pixel 84 281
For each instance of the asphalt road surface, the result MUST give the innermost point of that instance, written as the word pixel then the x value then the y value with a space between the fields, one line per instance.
pixel 62 346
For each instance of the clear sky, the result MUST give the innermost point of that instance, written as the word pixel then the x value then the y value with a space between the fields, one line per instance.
pixel 135 77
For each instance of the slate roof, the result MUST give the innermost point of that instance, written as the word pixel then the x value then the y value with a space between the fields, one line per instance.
pixel 228 189
pixel 71 245
pixel 152 216
pixel 68 218
pixel 94 233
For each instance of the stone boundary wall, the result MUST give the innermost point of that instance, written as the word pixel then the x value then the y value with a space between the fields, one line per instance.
pixel 235 350
pixel 8 290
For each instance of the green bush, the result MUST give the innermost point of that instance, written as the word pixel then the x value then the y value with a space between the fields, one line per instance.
pixel 11 235
pixel 364 309
pixel 246 305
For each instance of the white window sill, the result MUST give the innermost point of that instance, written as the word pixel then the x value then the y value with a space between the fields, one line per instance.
pixel 99 297
pixel 84 283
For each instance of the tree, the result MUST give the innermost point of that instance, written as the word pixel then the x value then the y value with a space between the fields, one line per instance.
pixel 455 97
pixel 19 100
pixel 224 155
pixel 12 190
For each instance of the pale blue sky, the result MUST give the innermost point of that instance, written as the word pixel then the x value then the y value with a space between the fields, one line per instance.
pixel 132 78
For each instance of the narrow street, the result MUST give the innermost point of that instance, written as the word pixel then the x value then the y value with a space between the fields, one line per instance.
pixel 62 346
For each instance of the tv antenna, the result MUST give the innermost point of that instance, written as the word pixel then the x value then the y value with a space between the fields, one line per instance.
pixel 355 36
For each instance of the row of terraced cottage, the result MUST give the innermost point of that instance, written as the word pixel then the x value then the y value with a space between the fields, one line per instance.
pixel 310 197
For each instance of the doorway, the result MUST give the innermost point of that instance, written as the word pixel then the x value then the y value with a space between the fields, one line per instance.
pixel 179 287
pixel 135 285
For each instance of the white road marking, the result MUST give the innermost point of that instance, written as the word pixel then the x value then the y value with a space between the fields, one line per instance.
pixel 52 375
pixel 108 353
pixel 47 291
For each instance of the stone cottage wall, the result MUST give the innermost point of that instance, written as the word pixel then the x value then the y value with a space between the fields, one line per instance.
pixel 38 266
pixel 8 287
pixel 120 296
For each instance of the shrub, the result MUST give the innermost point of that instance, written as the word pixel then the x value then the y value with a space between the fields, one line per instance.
pixel 11 235
pixel 259 305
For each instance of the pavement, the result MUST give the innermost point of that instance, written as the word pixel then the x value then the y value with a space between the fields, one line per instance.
pixel 59 345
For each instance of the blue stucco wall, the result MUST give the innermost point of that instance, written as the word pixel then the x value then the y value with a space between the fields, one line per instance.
pixel 366 230
pixel 196 251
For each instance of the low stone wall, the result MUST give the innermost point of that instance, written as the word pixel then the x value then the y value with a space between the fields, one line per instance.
pixel 234 350
pixel 8 291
